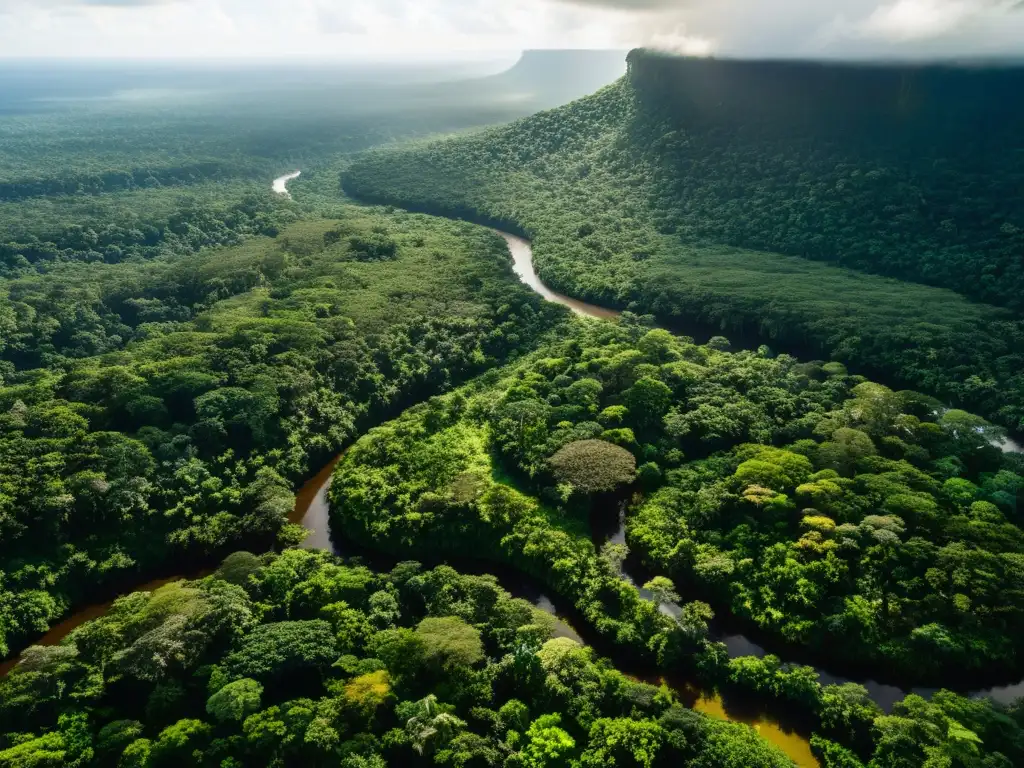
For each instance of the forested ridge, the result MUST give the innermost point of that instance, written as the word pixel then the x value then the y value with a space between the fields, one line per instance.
pixel 911 171
pixel 158 411
pixel 643 194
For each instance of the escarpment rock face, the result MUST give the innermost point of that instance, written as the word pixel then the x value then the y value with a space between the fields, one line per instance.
pixel 907 170
pixel 959 96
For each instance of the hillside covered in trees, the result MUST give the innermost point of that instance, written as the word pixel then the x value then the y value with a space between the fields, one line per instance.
pixel 870 195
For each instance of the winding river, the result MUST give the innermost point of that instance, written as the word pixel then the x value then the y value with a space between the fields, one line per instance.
pixel 738 644
pixel 280 185
pixel 311 510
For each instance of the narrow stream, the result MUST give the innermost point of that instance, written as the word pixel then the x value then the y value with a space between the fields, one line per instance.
pixel 280 185
pixel 522 265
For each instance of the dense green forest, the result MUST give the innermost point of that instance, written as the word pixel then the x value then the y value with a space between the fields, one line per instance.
pixel 113 183
pixel 910 557
pixel 827 509
pixel 40 233
pixel 180 348
pixel 302 659
pixel 645 195
pixel 157 411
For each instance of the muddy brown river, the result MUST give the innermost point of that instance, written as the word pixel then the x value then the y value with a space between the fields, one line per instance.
pixel 312 511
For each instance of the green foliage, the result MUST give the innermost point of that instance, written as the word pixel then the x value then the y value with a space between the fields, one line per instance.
pixel 747 207
pixel 367 693
pixel 182 743
pixel 365 711
pixel 373 247
pixel 115 737
pixel 623 742
pixel 593 466
pixel 833 755
pixel 247 367
pixel 237 567
pixel 547 745
pixel 449 642
pixel 514 715
pixel 44 752
pixel 284 648
pixel 848 713
pixel 728 745
pixel 235 701
pixel 430 725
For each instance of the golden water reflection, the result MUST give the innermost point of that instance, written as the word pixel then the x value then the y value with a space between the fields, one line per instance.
pixel 797 747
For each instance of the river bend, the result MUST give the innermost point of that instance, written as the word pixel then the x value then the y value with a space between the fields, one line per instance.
pixel 312 511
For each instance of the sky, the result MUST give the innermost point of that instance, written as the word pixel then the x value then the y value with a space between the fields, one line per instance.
pixel 453 29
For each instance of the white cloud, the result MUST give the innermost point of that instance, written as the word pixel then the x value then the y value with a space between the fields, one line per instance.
pixel 906 20
pixel 335 21
pixel 677 41
pixel 916 19
pixel 123 3
pixel 632 5
pixel 417 28
pixel 927 29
